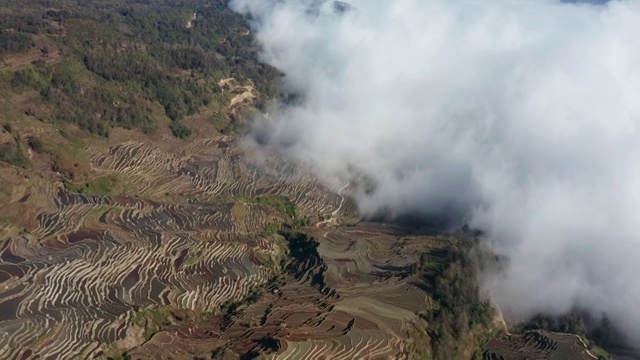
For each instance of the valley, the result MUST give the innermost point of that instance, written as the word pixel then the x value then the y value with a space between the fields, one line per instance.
pixel 137 221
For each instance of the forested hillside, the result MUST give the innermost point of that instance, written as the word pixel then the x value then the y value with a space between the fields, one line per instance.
pixel 102 64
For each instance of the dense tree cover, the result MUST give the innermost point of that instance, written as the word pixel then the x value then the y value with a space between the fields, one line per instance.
pixel 13 152
pixel 35 144
pixel 572 323
pixel 12 41
pixel 451 275
pixel 121 58
pixel 180 131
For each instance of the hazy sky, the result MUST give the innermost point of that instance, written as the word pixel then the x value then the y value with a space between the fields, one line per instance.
pixel 519 117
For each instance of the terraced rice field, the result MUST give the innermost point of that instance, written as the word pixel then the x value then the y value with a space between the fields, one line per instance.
pixel 213 169
pixel 75 280
pixel 174 255
pixel 362 311
pixel 538 345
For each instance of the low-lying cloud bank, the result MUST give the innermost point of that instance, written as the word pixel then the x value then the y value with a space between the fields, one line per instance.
pixel 517 117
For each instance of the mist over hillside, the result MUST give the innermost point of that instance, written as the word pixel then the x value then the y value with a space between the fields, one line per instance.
pixel 519 118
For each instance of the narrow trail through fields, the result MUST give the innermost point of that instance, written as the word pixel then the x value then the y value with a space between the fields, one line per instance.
pixel 586 348
pixel 500 318
pixel 332 218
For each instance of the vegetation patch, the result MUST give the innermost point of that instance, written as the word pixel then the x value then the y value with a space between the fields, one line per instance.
pixel 270 229
pixel 179 130
pixel 155 318
pixel 459 310
pixel 193 257
pixel 35 144
pixel 280 203
pixel 13 152
pixel 14 41
pixel 14 155
pixel 103 185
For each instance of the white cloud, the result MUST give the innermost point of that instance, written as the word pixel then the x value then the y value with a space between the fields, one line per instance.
pixel 520 116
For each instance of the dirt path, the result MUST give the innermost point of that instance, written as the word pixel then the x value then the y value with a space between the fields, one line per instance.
pixel 193 18
pixel 500 318
pixel 232 85
pixel 336 211
pixel 246 95
pixel 225 82
pixel 586 348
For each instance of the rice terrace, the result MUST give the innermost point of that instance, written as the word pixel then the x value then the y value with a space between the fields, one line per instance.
pixel 142 217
